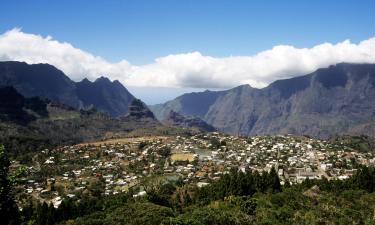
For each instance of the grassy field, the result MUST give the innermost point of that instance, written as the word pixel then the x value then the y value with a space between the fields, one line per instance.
pixel 182 157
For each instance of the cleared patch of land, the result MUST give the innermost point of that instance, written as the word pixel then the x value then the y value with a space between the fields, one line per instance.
pixel 124 140
pixel 182 157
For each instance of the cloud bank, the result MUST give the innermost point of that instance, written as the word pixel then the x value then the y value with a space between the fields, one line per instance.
pixel 188 70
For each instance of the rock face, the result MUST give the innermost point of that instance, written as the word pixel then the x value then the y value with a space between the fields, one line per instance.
pixel 138 111
pixel 176 119
pixel 335 100
pixel 46 81
pixel 139 116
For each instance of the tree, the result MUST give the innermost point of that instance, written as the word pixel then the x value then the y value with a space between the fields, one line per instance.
pixel 274 181
pixel 215 143
pixel 8 207
pixel 165 151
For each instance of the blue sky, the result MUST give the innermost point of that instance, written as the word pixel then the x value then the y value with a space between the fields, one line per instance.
pixel 170 47
pixel 140 31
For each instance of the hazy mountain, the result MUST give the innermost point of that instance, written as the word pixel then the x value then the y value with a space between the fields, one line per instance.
pixel 190 104
pixel 46 81
pixel 335 100
pixel 176 119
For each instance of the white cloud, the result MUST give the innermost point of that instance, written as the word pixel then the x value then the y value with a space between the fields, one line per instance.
pixel 186 70
pixel 77 64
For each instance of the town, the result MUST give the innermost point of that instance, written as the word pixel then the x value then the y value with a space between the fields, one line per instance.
pixel 120 165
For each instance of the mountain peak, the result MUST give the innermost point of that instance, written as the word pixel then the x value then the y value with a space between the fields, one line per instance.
pixel 242 88
pixel 117 82
pixel 47 81
pixel 335 100
pixel 103 79
pixel 85 80
pixel 106 96
pixel 42 80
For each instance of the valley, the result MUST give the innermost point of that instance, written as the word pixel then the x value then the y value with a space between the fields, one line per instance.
pixel 91 153
pixel 127 165
pixel 78 150
pixel 213 112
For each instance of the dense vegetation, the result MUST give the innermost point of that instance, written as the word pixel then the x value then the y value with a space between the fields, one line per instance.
pixel 237 198
pixel 8 209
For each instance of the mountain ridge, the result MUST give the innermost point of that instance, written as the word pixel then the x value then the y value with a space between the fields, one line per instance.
pixel 45 80
pixel 334 100
pixel 111 97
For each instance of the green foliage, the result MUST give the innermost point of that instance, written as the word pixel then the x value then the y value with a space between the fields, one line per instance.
pixel 16 175
pixel 363 179
pixel 221 213
pixel 239 184
pixel 8 207
pixel 246 204
pixel 161 195
pixel 21 144
pixel 215 143
pixel 359 143
pixel 165 151
pixel 132 213
pixel 237 198
pixel 142 144
pixel 292 207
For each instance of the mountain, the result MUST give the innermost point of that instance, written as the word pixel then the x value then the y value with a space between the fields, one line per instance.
pixel 176 119
pixel 41 80
pixel 339 99
pixel 139 113
pixel 106 96
pixel 138 110
pixel 27 124
pixel 191 104
pixel 44 80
